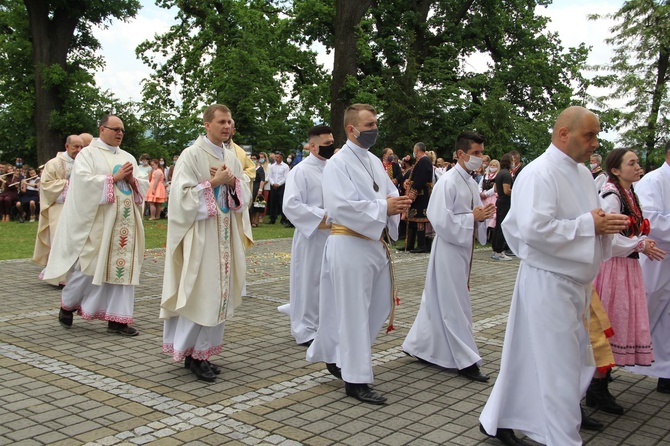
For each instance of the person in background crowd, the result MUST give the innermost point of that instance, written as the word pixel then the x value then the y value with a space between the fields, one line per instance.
pixel 599 175
pixel 391 166
pixel 264 162
pixel 487 193
pixel 418 187
pixel 30 196
pixel 10 191
pixel 257 193
pixel 277 179
pixel 145 167
pixel 156 194
pixel 503 190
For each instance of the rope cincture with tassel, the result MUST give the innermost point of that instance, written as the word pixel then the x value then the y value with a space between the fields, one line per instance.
pixel 385 239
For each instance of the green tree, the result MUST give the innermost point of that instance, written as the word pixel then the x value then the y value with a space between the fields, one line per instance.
pixel 62 56
pixel 240 53
pixel 638 74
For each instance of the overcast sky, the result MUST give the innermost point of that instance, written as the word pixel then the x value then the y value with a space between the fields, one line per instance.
pixel 124 72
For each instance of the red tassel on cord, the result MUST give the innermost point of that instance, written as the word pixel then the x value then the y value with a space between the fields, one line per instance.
pixel 390 328
pixel 397 300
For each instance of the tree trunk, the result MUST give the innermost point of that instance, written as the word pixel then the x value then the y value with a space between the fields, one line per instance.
pixel 51 38
pixel 657 98
pixel 348 14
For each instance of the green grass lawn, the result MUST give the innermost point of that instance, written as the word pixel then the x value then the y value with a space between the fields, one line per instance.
pixel 17 240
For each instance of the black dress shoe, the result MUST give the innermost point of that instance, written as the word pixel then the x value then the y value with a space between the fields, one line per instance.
pixel 589 423
pixel 202 370
pixel 122 329
pixel 65 318
pixel 506 436
pixel 363 392
pixel 663 385
pixel 473 373
pixel 334 370
pixel 419 251
pixel 308 343
pixel 215 368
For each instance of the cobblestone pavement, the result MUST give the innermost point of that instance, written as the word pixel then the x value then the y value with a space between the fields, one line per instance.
pixel 84 386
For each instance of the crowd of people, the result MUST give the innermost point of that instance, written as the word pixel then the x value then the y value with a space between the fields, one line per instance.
pixel 592 290
pixel 19 191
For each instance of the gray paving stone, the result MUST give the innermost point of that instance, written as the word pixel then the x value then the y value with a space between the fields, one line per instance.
pixel 83 385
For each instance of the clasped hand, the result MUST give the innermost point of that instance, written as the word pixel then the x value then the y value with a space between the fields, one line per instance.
pixel 482 213
pixel 397 205
pixel 124 173
pixel 221 175
pixel 605 223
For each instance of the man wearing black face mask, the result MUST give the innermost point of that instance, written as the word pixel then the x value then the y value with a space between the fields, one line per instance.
pixel 356 293
pixel 303 206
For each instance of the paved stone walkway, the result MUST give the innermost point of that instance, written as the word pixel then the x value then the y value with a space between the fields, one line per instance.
pixel 84 386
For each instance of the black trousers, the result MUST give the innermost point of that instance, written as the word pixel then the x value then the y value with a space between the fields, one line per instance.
pixel 498 242
pixel 276 201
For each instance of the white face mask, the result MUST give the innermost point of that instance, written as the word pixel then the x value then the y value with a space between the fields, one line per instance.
pixel 593 166
pixel 473 163
pixel 493 169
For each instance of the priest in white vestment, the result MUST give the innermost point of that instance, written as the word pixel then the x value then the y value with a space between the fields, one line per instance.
pixel 356 292
pixel 53 190
pixel 100 234
pixel 556 228
pixel 205 267
pixel 442 331
pixel 653 191
pixel 303 206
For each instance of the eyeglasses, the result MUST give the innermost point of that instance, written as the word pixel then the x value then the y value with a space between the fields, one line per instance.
pixel 116 129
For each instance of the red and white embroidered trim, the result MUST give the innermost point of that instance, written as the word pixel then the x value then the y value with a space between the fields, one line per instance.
pixel 200 355
pixel 109 189
pixel 100 315
pixel 210 201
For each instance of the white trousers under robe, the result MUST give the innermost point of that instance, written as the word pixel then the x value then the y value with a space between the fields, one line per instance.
pixel 354 303
pixel 543 372
pixel 183 337
pixel 107 302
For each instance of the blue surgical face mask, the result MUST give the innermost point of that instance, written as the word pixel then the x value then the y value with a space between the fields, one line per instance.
pixel 262 160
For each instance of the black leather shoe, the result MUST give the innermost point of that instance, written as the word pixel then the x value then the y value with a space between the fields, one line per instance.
pixel 506 436
pixel 663 385
pixel 308 343
pixel 419 251
pixel 202 370
pixel 65 318
pixel 363 392
pixel 122 329
pixel 473 373
pixel 334 370
pixel 589 423
pixel 215 368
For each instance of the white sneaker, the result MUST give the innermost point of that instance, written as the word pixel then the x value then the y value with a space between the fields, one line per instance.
pixel 500 256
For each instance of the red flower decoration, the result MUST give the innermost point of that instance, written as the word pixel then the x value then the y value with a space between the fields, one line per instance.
pixel 645 227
